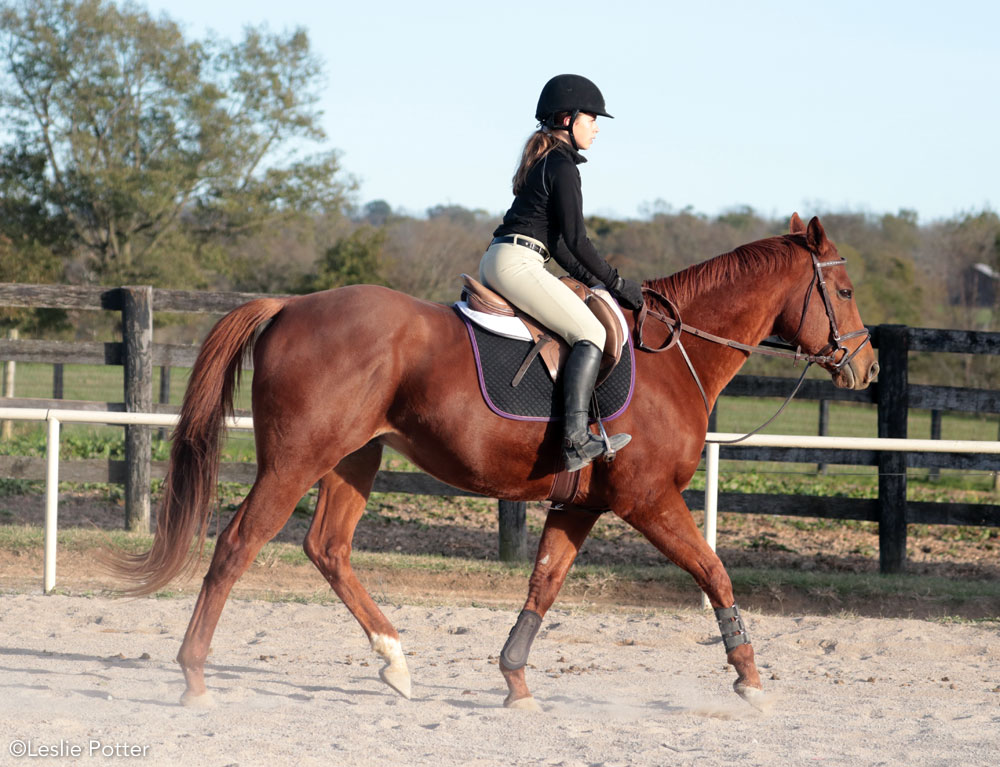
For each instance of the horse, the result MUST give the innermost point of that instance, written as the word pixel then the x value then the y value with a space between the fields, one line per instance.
pixel 339 375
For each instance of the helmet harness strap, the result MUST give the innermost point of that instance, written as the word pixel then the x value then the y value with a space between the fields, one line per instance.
pixel 551 123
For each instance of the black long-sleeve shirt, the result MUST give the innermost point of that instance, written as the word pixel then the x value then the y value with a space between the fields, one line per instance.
pixel 550 209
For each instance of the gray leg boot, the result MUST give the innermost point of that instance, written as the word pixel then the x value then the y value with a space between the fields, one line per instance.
pixel 580 445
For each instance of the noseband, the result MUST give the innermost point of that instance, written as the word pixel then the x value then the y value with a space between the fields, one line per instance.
pixel 828 355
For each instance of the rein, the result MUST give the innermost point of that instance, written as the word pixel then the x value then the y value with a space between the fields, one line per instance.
pixel 672 319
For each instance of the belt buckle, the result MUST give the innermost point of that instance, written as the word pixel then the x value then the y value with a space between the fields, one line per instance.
pixel 524 242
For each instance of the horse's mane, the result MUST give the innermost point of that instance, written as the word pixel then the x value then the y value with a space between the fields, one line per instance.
pixel 753 259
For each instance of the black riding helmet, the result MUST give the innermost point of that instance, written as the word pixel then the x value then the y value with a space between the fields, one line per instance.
pixel 568 93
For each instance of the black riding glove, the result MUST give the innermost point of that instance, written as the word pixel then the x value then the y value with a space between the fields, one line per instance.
pixel 626 292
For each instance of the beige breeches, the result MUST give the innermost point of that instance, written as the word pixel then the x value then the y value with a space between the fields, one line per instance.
pixel 519 275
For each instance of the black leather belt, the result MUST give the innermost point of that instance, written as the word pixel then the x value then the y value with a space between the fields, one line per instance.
pixel 517 239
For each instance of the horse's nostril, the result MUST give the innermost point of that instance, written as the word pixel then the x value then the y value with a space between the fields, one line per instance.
pixel 873 371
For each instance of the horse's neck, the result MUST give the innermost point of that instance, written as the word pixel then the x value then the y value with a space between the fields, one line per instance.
pixel 746 315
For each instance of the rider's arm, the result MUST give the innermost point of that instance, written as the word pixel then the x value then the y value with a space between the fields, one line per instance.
pixel 578 252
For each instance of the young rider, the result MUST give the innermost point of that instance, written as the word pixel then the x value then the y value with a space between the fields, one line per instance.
pixel 546 220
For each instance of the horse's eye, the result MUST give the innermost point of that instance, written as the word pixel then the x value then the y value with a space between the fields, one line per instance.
pixel 845 293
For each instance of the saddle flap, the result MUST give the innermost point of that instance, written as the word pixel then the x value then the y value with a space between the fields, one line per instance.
pixel 614 336
pixel 614 340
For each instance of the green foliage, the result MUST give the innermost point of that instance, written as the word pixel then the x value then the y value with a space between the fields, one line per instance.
pixel 29 237
pixel 376 213
pixel 79 444
pixel 130 142
pixel 456 214
pixel 354 260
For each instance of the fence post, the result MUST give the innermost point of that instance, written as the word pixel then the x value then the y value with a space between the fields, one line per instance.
pixel 996 474
pixel 58 380
pixel 164 393
pixel 513 531
pixel 893 406
pixel 935 473
pixel 9 377
pixel 137 332
pixel 824 428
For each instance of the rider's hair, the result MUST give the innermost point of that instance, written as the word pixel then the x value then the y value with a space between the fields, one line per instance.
pixel 539 144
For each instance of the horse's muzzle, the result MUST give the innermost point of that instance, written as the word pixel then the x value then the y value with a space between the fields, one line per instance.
pixel 856 374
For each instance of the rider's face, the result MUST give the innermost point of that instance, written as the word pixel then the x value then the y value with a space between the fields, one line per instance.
pixel 585 129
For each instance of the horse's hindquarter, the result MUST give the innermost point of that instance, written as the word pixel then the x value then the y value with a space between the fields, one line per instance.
pixel 339 368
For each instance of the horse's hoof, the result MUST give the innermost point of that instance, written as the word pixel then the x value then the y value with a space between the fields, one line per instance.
pixel 398 679
pixel 755 697
pixel 522 704
pixel 394 673
pixel 190 700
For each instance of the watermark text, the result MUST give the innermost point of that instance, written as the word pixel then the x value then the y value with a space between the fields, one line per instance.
pixel 62 749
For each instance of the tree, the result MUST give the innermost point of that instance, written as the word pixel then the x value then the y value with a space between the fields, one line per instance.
pixel 354 260
pixel 376 213
pixel 426 256
pixel 29 240
pixel 137 140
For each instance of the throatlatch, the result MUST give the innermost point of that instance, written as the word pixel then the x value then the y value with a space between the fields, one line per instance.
pixel 515 652
pixel 734 631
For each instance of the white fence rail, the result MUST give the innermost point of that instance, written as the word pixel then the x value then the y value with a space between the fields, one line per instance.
pixel 55 418
pixel 846 443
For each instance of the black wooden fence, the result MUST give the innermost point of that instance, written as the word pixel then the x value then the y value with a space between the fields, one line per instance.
pixel 892 395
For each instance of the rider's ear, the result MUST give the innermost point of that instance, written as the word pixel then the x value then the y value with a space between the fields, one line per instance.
pixel 796 226
pixel 816 236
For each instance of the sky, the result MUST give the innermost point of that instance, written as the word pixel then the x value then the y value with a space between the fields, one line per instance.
pixel 871 106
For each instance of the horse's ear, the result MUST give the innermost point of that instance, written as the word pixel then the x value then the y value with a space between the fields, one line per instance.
pixel 816 236
pixel 796 226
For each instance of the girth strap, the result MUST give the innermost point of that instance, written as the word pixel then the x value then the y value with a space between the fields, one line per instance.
pixel 565 486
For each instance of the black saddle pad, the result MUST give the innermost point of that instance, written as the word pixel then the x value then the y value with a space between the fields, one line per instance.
pixel 536 397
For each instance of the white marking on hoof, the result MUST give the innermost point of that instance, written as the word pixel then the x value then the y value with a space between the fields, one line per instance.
pixel 756 698
pixel 523 704
pixel 205 700
pixel 394 673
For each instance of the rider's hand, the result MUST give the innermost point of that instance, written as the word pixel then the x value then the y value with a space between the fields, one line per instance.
pixel 627 292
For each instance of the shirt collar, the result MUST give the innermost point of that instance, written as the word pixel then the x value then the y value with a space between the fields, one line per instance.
pixel 570 152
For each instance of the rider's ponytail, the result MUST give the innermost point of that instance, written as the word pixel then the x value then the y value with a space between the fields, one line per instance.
pixel 539 144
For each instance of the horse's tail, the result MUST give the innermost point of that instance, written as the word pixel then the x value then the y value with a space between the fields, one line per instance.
pixel 189 487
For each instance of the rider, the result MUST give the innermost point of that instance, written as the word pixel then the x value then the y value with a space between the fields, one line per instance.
pixel 546 220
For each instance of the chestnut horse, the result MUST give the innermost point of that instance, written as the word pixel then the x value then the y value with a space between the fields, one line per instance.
pixel 340 374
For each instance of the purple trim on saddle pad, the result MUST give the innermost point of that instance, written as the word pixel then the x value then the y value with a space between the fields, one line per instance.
pixel 541 419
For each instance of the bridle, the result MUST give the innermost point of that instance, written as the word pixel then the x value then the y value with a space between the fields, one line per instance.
pixel 828 355
pixel 836 346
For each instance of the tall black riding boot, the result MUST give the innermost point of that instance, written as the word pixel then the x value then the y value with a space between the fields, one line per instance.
pixel 580 445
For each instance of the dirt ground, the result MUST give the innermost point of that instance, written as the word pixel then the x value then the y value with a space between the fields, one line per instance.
pixel 295 684
pixel 625 671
